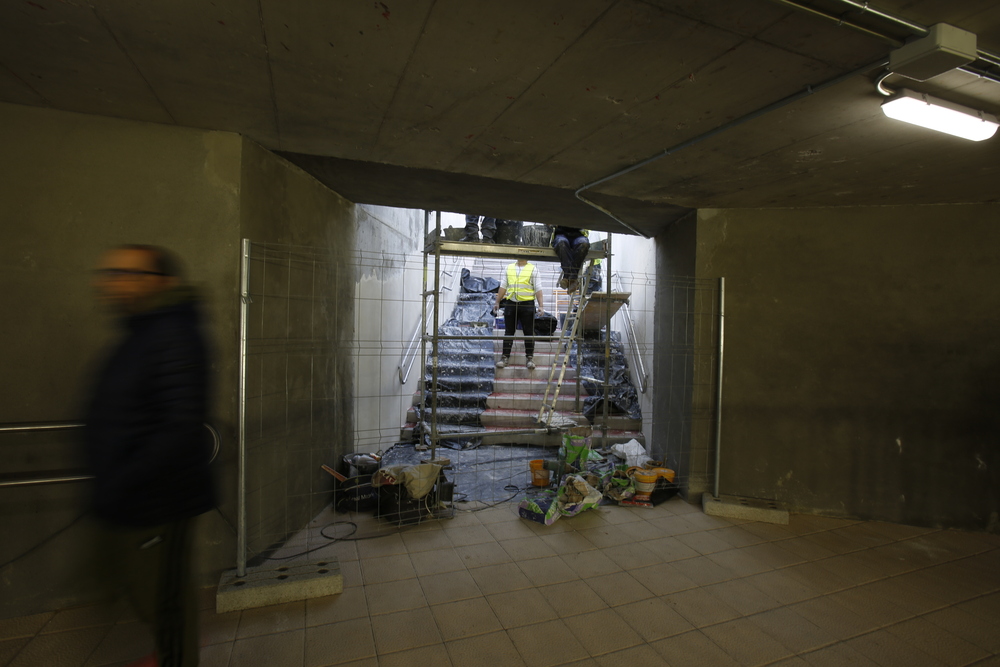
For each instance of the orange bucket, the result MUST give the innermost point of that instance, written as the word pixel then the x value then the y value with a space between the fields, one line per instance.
pixel 539 474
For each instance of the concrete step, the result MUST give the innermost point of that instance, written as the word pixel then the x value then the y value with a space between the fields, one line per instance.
pixel 508 401
pixel 498 434
pixel 521 418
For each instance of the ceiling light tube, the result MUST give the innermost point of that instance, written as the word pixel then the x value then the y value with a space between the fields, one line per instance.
pixel 941 115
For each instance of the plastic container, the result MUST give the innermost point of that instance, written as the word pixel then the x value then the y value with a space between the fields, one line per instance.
pixel 540 475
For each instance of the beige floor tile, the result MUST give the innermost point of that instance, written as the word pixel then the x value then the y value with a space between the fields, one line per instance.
pixel 510 530
pixel 805 549
pixel 388 544
pixel 481 555
pixel 819 580
pixel 832 617
pixel 470 535
pixel 643 654
pixel 83 617
pixel 837 655
pixel 704 542
pixel 343 551
pixel 546 644
pixel 23 626
pixel 973 629
pixel 605 536
pixel 792 630
pixel 286 649
pixel 693 649
pixel 271 620
pixel 838 544
pixel 738 562
pixel 700 607
pixel 394 596
pixel 128 641
pixel 436 562
pixel 545 571
pixel 653 619
pixel 631 556
pixel 352 603
pixel 429 540
pixel 216 655
pixel 527 548
pixel 877 610
pixel 602 632
pixel 885 648
pixel 351 573
pixel 387 568
pixel 704 570
pixel 736 537
pixel 849 568
pixel 672 525
pixel 781 585
pixel 500 578
pixel 500 513
pixel 339 642
pixel 65 649
pixel 490 650
pixel 405 630
pixel 462 519
pixel 590 563
pixel 769 532
pixel 937 642
pixel 572 598
pixel 804 524
pixel 218 628
pixel 466 618
pixel 618 588
pixel 568 543
pixel 746 642
pixel 662 579
pixel 435 654
pixel 11 647
pixel 640 532
pixel 863 533
pixel 621 515
pixel 743 597
pixel 449 587
pixel 519 608
pixel 669 549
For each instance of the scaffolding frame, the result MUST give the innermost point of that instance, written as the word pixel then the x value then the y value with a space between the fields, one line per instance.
pixel 436 246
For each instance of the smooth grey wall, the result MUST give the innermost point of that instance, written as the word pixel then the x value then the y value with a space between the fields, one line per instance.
pixel 300 375
pixel 72 185
pixel 862 359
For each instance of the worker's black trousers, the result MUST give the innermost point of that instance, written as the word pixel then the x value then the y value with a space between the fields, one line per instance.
pixel 514 312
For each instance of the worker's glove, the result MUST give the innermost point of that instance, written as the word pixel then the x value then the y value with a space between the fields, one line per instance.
pixel 494 311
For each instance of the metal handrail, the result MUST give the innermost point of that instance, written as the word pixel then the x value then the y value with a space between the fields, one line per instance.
pixel 412 347
pixel 641 374
pixel 68 476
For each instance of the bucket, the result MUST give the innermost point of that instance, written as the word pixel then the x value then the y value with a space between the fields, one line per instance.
pixel 540 477
pixel 539 473
pixel 645 482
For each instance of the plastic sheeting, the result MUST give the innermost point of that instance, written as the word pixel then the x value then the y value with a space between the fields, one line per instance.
pixel 476 284
pixel 466 369
pixel 621 392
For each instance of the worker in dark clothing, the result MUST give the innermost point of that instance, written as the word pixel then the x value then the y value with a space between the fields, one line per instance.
pixel 146 444
pixel 472 226
pixel 572 246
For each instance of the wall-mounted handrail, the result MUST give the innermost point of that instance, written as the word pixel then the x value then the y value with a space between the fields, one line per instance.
pixel 633 339
pixel 410 353
pixel 60 477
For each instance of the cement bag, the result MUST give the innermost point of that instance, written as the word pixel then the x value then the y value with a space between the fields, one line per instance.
pixel 576 495
pixel 632 452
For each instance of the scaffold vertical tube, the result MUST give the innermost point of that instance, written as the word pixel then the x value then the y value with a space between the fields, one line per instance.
pixel 718 383
pixel 241 473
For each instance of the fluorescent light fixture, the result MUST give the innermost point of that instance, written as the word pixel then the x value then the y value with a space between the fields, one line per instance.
pixel 941 115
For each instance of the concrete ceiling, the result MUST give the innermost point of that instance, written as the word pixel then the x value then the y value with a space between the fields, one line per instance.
pixel 506 107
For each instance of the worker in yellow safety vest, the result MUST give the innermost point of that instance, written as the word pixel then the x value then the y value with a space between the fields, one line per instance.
pixel 520 294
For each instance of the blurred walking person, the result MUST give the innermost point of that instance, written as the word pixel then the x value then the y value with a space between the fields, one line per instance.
pixel 146 444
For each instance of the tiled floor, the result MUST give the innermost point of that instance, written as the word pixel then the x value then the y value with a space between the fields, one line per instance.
pixel 612 586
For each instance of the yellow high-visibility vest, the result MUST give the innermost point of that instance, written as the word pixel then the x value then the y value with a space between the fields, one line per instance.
pixel 519 282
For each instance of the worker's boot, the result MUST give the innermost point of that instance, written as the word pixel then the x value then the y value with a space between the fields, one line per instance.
pixel 503 362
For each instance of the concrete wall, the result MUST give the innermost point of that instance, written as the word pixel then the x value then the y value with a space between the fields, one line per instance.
pixel 299 364
pixel 70 186
pixel 634 260
pixel 862 359
pixel 388 266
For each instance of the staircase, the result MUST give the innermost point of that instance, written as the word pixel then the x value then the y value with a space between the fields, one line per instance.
pixel 517 392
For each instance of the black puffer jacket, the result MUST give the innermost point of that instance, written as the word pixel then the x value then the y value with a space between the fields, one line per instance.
pixel 145 441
